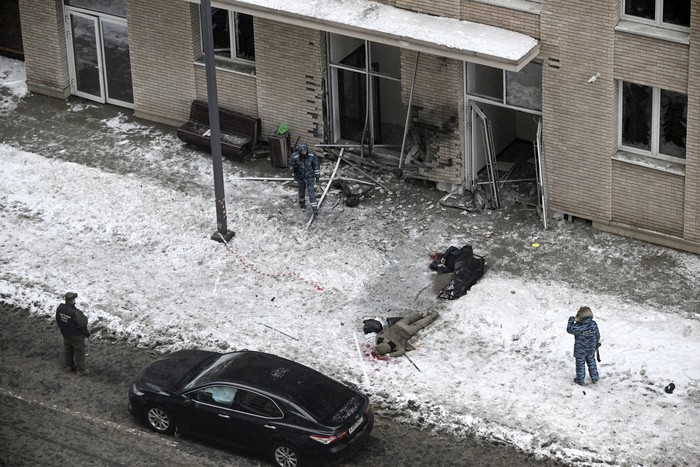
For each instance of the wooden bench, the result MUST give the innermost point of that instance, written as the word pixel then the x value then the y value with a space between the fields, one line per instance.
pixel 239 132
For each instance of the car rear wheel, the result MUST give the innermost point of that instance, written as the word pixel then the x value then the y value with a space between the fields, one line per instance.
pixel 160 420
pixel 285 455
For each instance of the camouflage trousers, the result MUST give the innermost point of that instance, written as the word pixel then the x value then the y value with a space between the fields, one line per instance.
pixel 581 363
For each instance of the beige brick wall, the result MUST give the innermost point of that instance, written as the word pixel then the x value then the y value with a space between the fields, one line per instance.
pixel 579 118
pixel 437 96
pixel 514 20
pixel 290 63
pixel 651 62
pixel 235 91
pixel 447 8
pixel 692 168
pixel 162 39
pixel 648 199
pixel 44 42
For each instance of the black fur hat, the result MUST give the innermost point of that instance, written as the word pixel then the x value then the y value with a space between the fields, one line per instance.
pixel 372 325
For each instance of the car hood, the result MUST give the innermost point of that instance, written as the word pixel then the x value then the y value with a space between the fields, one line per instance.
pixel 170 372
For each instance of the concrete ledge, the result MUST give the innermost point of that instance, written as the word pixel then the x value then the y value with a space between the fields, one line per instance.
pixel 647 236
pixel 60 93
pixel 159 118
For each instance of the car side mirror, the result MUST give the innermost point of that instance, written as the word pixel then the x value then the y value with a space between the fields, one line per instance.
pixel 188 402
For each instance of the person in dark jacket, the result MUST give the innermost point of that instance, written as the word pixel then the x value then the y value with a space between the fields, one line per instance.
pixel 586 337
pixel 73 325
pixel 393 340
pixel 306 168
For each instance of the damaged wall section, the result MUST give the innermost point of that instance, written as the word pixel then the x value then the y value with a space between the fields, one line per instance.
pixel 434 145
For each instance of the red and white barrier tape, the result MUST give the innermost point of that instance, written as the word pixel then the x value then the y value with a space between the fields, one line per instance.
pixel 254 268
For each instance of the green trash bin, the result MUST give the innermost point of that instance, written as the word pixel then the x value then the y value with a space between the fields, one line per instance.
pixel 280 149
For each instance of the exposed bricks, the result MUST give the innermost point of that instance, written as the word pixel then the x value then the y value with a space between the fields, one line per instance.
pixel 44 43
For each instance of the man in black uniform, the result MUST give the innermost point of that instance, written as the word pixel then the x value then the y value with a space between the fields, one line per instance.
pixel 73 325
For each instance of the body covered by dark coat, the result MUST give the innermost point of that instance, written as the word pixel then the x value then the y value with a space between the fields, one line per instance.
pixel 71 321
pixel 586 334
pixel 445 262
pixel 468 269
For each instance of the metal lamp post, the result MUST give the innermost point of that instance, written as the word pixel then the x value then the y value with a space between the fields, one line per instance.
pixel 222 233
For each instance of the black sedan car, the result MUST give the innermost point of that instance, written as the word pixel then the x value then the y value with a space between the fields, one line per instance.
pixel 255 401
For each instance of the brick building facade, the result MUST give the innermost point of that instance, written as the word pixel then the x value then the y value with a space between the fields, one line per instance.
pixel 333 83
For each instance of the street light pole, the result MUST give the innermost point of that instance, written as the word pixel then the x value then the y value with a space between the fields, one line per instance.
pixel 222 233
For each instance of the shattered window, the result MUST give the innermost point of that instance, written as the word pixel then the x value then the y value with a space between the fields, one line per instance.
pixel 636 116
pixel 233 35
pixel 653 121
pixel 524 88
pixel 485 81
pixel 673 123
pixel 661 12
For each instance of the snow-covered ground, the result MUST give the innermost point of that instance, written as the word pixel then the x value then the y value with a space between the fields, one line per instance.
pixel 498 363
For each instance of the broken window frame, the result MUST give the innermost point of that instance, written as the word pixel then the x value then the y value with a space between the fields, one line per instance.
pixel 378 76
pixel 658 19
pixel 655 121
pixel 502 100
pixel 234 43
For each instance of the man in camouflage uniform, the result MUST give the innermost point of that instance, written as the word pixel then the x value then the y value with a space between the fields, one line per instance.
pixel 393 341
pixel 73 325
pixel 306 168
pixel 586 337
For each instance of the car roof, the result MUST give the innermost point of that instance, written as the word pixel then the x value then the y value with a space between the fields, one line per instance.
pixel 311 390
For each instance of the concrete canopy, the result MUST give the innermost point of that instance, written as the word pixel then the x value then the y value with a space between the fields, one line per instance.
pixel 364 19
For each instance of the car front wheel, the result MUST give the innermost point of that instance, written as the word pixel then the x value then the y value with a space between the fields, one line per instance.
pixel 160 420
pixel 285 456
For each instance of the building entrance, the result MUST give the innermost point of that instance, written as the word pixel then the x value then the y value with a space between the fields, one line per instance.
pixel 98 56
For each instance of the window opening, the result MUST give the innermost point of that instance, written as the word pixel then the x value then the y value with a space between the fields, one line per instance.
pixel 367 102
pixel 653 122
pixel 521 89
pixel 668 13
pixel 234 37
pixel 504 109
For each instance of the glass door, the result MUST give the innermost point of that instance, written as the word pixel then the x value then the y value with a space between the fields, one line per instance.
pixel 85 56
pixel 117 63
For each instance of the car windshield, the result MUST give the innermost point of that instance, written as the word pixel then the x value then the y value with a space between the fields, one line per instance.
pixel 212 372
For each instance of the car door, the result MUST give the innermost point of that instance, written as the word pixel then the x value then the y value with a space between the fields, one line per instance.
pixel 210 413
pixel 259 419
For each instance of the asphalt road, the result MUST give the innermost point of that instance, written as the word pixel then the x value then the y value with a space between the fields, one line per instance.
pixel 49 417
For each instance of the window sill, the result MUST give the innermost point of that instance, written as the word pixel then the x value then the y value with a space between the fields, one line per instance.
pixel 528 6
pixel 655 32
pixel 675 168
pixel 233 67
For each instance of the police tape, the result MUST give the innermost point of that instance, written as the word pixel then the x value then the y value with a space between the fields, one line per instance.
pixel 289 275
